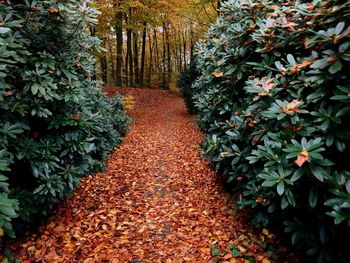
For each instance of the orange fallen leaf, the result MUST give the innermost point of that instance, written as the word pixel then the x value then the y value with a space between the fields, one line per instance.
pixel 242 249
pixel 163 181
pixel 205 212
pixel 204 250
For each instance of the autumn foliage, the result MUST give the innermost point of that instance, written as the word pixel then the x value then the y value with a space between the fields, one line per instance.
pixel 273 99
pixel 157 202
pixel 55 123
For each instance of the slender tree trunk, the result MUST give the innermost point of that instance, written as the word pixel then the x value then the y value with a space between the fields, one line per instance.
pixel 192 45
pixel 119 38
pixel 159 65
pixel 185 49
pixel 164 83
pixel 180 53
pixel 126 61
pixel 169 68
pixel 129 54
pixel 103 65
pixel 111 56
pixel 136 58
pixel 151 45
pixel 175 52
pixel 143 53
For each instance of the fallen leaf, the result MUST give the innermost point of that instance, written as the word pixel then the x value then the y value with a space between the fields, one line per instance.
pixel 158 201
pixel 204 250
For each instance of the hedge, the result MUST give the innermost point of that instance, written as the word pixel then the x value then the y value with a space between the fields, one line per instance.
pixel 55 123
pixel 273 100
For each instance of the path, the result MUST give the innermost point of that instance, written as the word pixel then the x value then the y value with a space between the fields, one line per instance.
pixel 158 202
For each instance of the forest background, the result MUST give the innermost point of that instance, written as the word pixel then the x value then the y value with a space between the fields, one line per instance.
pixel 148 42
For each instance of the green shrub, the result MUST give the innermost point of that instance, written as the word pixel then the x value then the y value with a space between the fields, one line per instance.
pixel 185 81
pixel 55 123
pixel 273 99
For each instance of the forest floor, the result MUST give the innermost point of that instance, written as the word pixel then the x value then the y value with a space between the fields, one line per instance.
pixel 158 201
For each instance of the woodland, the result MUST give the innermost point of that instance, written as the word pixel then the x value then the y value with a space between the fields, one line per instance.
pixel 149 41
pixel 174 131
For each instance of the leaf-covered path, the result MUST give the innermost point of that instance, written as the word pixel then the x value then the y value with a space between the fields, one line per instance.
pixel 158 201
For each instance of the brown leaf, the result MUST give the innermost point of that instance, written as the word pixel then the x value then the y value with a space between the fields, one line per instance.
pixel 302 157
pixel 291 107
pixel 332 59
pixel 218 74
pixel 157 201
pixel 204 250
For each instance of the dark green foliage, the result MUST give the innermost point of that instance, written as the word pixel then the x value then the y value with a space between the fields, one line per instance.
pixel 185 81
pixel 273 99
pixel 55 123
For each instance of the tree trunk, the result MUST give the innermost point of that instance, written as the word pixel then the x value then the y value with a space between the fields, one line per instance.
pixel 185 49
pixel 180 53
pixel 164 83
pixel 136 58
pixel 111 56
pixel 150 66
pixel 119 39
pixel 159 66
pixel 129 54
pixel 143 53
pixel 103 65
pixel 192 45
pixel 168 55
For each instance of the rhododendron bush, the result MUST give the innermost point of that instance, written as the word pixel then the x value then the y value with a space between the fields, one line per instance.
pixel 273 99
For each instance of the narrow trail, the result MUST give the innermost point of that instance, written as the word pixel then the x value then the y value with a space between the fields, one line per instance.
pixel 158 201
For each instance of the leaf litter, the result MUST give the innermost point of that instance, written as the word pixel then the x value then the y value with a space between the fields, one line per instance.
pixel 157 202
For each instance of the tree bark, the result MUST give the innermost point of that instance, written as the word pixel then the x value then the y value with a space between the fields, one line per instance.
pixel 111 56
pixel 119 39
pixel 136 58
pixel 169 68
pixel 103 65
pixel 185 49
pixel 192 44
pixel 164 83
pixel 143 54
pixel 180 53
pixel 129 54
pixel 150 66
pixel 159 66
